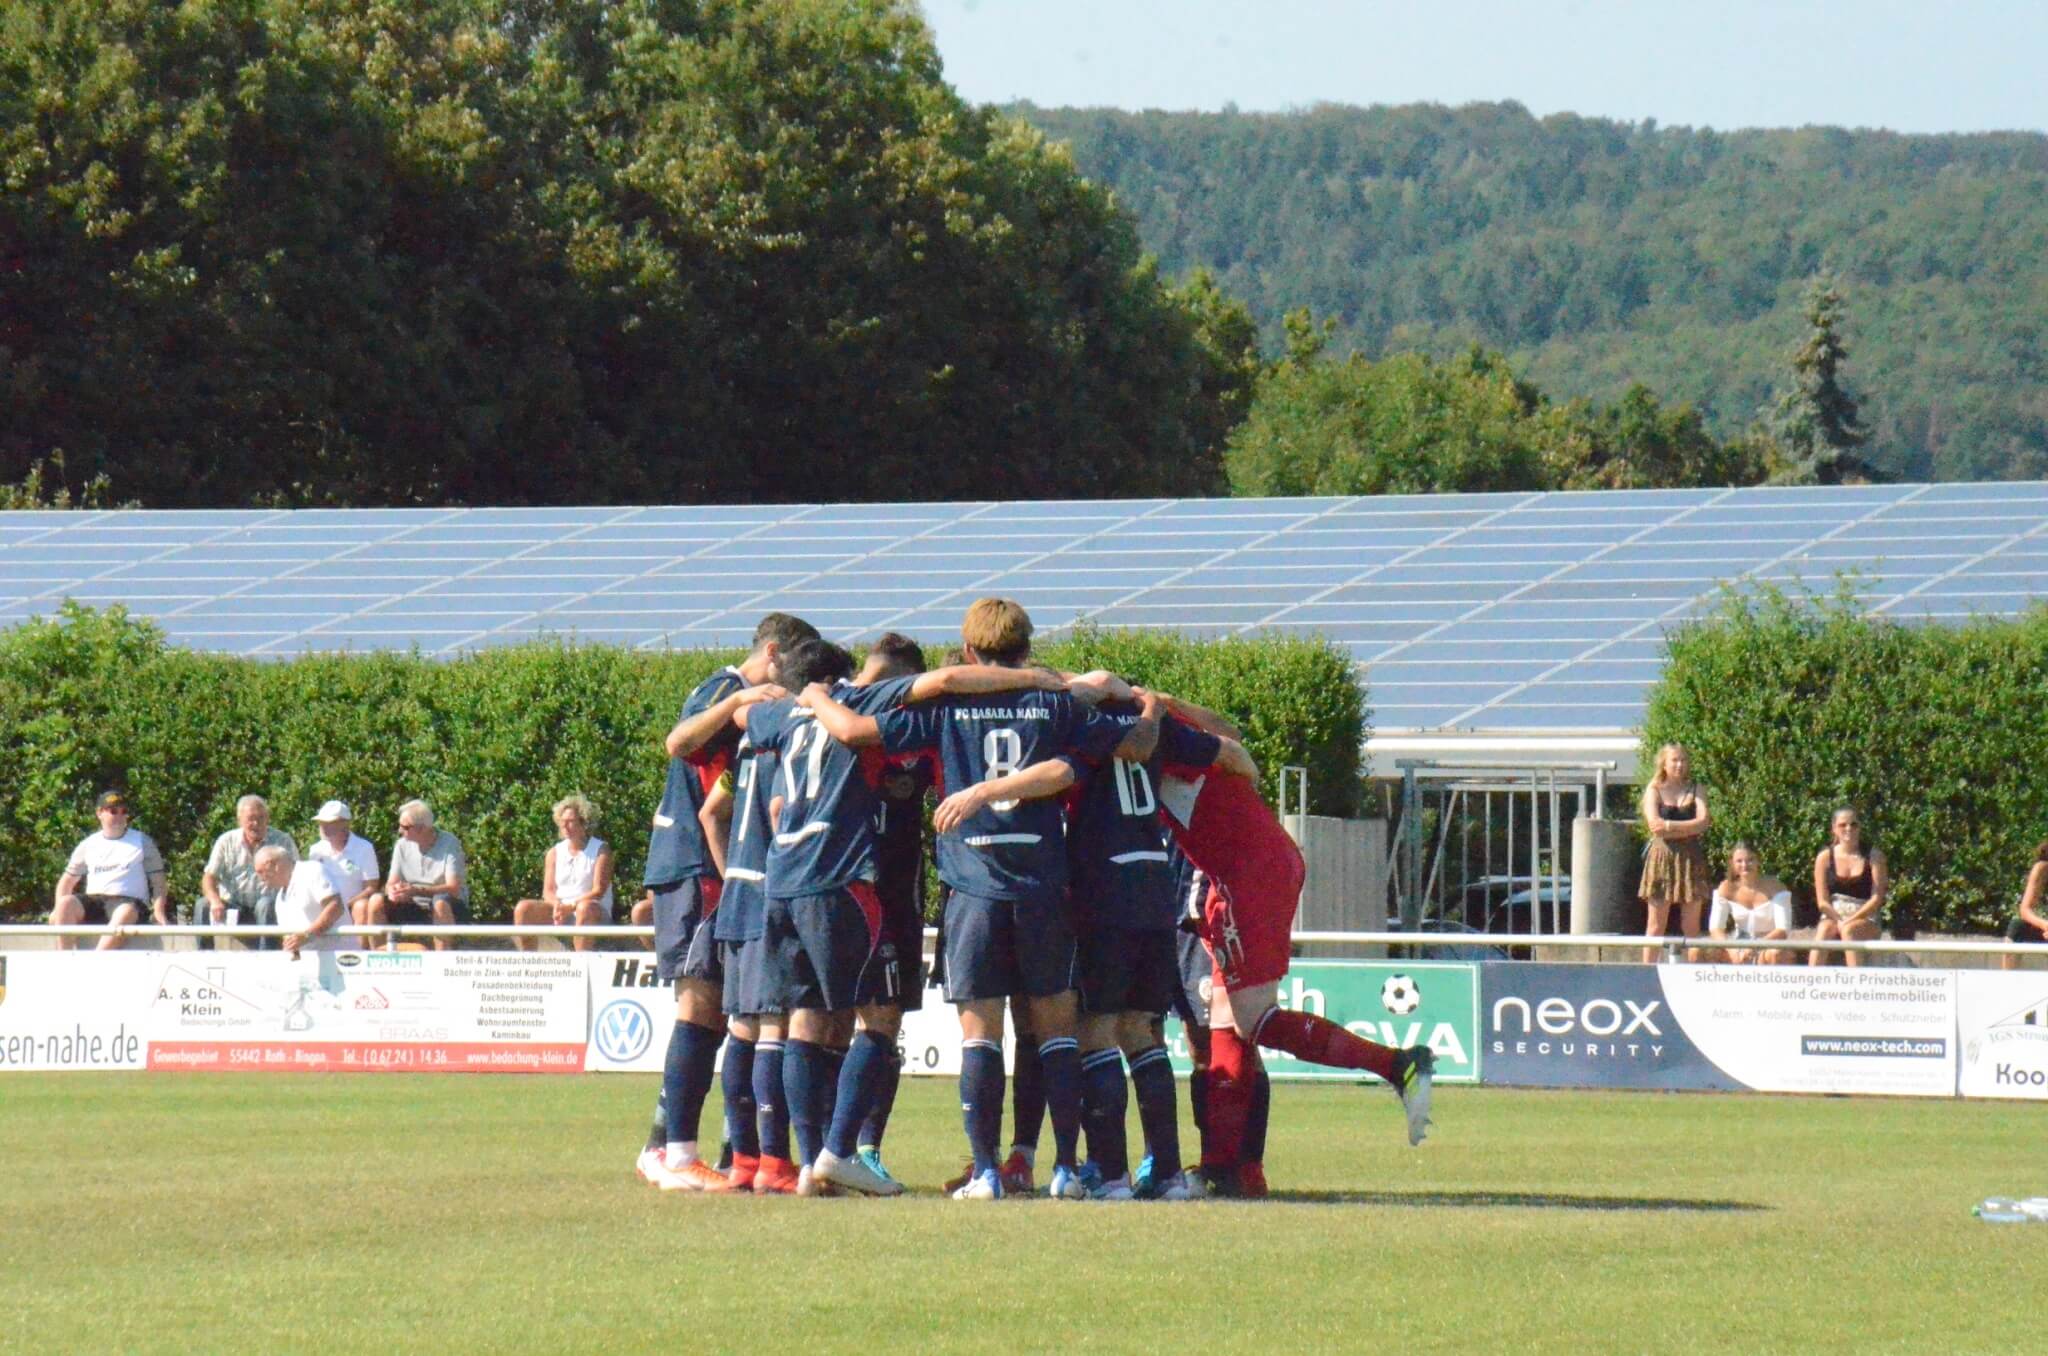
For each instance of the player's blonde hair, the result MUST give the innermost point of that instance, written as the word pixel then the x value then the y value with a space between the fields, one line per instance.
pixel 998 630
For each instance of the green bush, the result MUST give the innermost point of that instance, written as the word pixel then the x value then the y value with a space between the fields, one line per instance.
pixel 1794 705
pixel 490 740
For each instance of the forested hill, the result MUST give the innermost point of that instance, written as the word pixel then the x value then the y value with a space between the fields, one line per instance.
pixel 1599 253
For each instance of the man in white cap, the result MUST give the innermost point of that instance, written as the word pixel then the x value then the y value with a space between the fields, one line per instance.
pixel 350 860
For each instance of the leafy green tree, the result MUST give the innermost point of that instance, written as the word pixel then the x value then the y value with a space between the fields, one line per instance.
pixel 1813 426
pixel 444 251
pixel 1411 424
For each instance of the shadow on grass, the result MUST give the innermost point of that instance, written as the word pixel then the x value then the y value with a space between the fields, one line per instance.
pixel 1516 1200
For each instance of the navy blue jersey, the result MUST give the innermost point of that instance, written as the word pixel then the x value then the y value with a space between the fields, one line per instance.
pixel 744 899
pixel 826 838
pixel 1116 842
pixel 1014 850
pixel 675 846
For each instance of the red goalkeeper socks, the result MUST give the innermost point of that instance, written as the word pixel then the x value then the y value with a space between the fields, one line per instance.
pixel 1228 1102
pixel 1321 1041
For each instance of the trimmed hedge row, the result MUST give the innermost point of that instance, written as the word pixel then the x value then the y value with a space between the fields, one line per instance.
pixel 1794 705
pixel 490 740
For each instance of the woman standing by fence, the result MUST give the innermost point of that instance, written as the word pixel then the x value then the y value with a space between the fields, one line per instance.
pixel 1675 866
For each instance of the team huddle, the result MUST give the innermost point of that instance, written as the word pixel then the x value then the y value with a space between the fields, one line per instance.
pixel 1105 857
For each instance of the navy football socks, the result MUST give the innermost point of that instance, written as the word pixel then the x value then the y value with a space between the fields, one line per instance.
pixel 1105 1101
pixel 686 1077
pixel 771 1103
pixel 1061 1058
pixel 877 1123
pixel 867 1060
pixel 807 1078
pixel 736 1080
pixel 1027 1097
pixel 1158 1112
pixel 981 1100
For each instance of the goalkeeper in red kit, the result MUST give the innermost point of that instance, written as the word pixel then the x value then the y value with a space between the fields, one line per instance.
pixel 1255 873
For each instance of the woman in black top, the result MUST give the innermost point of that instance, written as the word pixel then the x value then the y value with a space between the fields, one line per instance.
pixel 1675 866
pixel 1849 883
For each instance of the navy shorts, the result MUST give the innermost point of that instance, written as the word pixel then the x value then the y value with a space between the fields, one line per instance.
pixel 683 945
pixel 1127 970
pixel 1003 948
pixel 99 909
pixel 826 952
pixel 1197 969
pixel 732 959
pixel 903 943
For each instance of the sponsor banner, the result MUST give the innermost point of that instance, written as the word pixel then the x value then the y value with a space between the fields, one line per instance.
pixel 1581 1026
pixel 74 1010
pixel 2002 1028
pixel 355 1009
pixel 1791 1028
pixel 1768 1028
pixel 349 1057
pixel 1394 1003
pixel 265 1011
pixel 632 1013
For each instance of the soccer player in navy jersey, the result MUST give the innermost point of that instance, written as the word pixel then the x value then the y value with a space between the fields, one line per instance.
pixel 683 878
pixel 1006 924
pixel 899 847
pixel 1126 914
pixel 735 817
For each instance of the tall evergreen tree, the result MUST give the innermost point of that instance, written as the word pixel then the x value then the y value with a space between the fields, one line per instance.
pixel 1813 424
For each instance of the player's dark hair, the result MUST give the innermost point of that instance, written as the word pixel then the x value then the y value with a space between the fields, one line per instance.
pixel 784 630
pixel 812 661
pixel 2041 852
pixel 901 652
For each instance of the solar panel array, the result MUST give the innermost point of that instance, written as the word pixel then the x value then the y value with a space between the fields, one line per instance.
pixel 1482 611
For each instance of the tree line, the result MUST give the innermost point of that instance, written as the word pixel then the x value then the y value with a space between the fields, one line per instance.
pixel 298 252
pixel 1597 255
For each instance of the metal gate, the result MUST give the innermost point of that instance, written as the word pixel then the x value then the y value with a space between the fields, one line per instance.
pixel 1486 846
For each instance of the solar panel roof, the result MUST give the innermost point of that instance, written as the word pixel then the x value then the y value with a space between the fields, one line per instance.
pixel 1506 612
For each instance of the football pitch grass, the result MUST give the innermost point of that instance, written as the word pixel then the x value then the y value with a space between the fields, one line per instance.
pixel 189 1213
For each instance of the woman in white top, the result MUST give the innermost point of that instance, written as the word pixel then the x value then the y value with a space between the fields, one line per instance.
pixel 576 878
pixel 1752 906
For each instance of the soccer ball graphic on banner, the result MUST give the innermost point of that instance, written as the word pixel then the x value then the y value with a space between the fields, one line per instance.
pixel 1400 996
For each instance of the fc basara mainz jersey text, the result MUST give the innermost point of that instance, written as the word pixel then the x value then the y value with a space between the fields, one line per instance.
pixel 1010 849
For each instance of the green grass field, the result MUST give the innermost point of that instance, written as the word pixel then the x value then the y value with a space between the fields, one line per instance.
pixel 238 1212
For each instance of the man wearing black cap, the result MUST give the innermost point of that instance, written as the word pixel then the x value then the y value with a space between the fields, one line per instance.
pixel 119 868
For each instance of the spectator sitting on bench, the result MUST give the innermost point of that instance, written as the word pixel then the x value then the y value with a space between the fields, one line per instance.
pixel 429 880
pixel 575 878
pixel 1753 907
pixel 122 873
pixel 2028 925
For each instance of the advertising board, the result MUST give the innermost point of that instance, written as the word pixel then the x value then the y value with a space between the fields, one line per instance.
pixel 1394 1003
pixel 1768 1028
pixel 2002 1029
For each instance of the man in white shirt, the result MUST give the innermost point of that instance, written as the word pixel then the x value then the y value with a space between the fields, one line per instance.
pixel 350 860
pixel 121 871
pixel 307 901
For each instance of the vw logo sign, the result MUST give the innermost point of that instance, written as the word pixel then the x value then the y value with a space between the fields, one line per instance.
pixel 623 1031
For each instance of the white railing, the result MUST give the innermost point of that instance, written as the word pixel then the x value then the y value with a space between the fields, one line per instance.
pixel 1467 940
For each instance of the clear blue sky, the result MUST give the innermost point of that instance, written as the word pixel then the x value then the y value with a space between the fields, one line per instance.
pixel 1911 65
